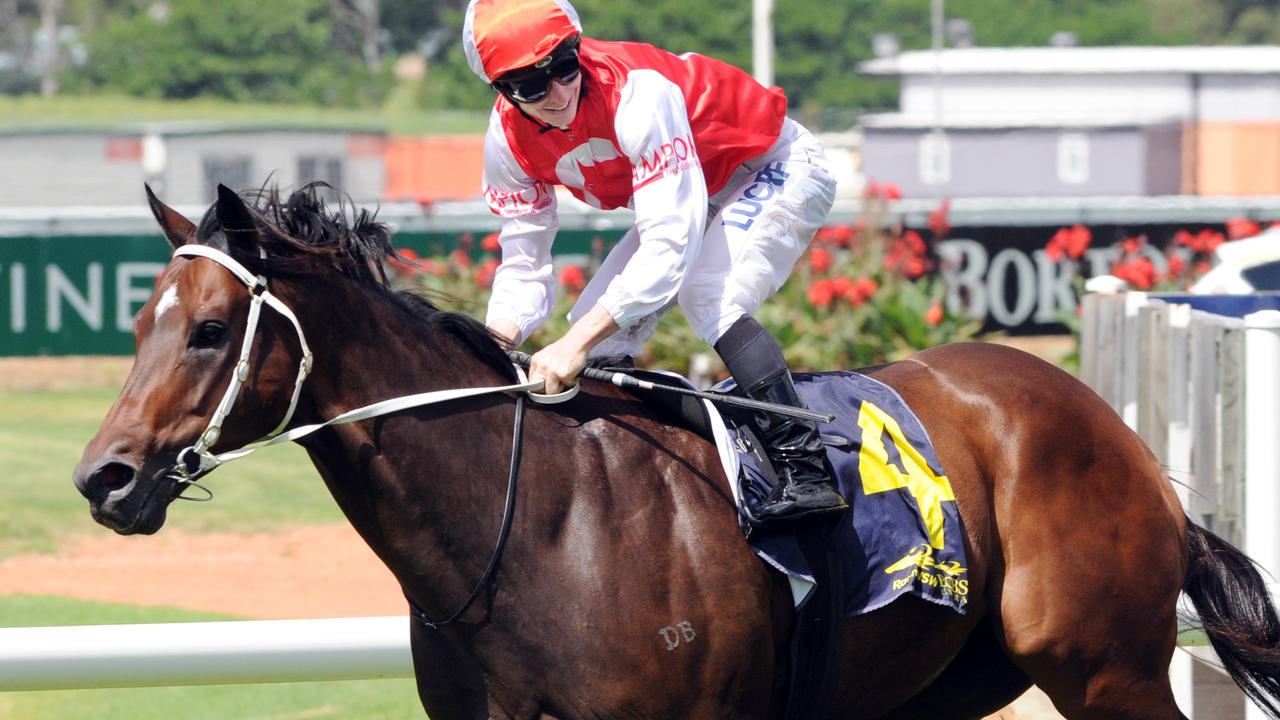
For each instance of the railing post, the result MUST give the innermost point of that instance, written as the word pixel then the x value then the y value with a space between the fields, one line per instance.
pixel 1262 446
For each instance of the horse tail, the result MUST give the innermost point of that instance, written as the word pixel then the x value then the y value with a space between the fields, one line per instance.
pixel 1237 614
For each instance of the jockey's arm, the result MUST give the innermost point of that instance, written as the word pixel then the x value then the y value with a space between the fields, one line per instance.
pixel 524 285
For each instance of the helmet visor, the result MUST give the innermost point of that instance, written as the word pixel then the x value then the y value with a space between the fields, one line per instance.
pixel 531 84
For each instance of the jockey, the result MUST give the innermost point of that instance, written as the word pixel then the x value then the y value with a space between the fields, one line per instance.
pixel 727 193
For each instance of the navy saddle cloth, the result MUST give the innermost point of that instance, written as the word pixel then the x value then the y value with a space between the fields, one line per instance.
pixel 903 533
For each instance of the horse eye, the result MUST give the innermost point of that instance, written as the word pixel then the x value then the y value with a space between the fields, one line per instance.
pixel 208 333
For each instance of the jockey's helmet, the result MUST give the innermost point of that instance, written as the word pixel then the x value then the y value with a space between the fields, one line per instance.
pixel 500 36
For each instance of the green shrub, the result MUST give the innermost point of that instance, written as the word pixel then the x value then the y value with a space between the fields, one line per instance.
pixel 862 294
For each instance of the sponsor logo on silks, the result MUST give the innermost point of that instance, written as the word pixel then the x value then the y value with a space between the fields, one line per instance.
pixel 947 577
pixel 517 204
pixel 767 183
pixel 671 158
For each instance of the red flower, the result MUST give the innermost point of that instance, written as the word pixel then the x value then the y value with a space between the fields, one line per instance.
pixel 842 286
pixel 403 262
pixel 822 293
pixel 485 273
pixel 461 258
pixel 939 222
pixel 834 235
pixel 431 267
pixel 1057 247
pixel 1138 272
pixel 573 278
pixel 892 191
pixel 908 255
pixel 862 291
pixel 1133 245
pixel 1240 227
pixel 1177 265
pixel 1069 242
pixel 1210 240
pixel 820 260
pixel 933 316
pixel 1079 238
pixel 1202 243
pixel 490 243
pixel 872 190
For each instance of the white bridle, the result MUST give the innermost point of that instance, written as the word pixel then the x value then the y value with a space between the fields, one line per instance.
pixel 187 470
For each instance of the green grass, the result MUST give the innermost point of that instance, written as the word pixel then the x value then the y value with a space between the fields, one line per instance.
pixel 398 116
pixel 42 435
pixel 357 699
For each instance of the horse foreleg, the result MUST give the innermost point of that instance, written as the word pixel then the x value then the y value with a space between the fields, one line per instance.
pixel 450 684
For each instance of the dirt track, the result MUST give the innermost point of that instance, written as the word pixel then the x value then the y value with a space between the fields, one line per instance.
pixel 310 572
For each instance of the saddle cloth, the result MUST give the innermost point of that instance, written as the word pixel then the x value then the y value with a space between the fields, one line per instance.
pixel 903 533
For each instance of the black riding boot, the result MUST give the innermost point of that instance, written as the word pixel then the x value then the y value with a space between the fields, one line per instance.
pixel 794 445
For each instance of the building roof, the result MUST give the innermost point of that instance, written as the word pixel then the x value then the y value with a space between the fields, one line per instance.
pixel 957 120
pixel 1243 60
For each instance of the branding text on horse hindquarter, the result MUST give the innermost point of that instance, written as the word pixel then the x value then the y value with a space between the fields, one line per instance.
pixel 673 634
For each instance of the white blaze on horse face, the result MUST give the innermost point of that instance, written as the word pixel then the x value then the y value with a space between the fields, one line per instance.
pixel 167 301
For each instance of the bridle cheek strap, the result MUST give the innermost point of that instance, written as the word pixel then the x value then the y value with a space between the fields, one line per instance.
pixel 197 460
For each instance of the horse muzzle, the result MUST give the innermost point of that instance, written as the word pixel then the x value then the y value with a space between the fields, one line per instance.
pixel 123 498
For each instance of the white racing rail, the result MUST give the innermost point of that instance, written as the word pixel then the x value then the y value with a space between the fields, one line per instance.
pixel 221 653
pixel 204 653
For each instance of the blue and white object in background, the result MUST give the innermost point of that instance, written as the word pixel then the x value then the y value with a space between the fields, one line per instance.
pixel 1243 266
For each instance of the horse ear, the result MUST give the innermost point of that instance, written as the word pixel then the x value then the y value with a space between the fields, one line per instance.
pixel 177 229
pixel 237 221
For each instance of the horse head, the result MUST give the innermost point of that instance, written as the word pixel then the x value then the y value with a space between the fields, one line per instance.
pixel 191 347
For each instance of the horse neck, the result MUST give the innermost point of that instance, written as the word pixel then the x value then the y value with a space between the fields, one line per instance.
pixel 411 487
pixel 368 348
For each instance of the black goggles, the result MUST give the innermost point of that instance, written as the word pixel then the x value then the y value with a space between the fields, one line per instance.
pixel 529 85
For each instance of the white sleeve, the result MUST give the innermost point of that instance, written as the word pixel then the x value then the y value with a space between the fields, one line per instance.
pixel 524 284
pixel 669 195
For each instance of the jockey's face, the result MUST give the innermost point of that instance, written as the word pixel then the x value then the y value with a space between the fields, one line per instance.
pixel 560 106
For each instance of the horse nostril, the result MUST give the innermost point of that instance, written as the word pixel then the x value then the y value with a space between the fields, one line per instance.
pixel 112 476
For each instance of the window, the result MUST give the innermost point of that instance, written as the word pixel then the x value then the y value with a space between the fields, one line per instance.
pixel 935 158
pixel 234 172
pixel 321 168
pixel 1073 158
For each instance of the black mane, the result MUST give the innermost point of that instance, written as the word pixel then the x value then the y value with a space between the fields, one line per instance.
pixel 301 226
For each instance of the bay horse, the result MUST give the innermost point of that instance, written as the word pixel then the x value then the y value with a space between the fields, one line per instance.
pixel 622 525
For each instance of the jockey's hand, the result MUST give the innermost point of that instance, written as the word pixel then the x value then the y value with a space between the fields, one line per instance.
pixel 560 363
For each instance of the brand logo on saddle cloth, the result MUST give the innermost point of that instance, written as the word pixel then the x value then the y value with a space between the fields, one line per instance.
pixel 903 533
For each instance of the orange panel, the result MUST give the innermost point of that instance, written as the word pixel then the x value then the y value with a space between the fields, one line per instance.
pixel 1239 159
pixel 425 169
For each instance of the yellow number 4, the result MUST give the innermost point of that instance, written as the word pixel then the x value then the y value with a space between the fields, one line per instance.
pixel 879 475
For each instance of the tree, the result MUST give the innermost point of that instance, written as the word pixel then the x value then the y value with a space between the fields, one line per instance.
pixel 283 51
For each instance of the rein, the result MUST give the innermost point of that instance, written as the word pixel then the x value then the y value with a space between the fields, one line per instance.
pixel 197 460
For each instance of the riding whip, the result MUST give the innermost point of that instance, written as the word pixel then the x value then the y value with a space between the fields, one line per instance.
pixel 624 380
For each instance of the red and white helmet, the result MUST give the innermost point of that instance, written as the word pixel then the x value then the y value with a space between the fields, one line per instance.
pixel 504 35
